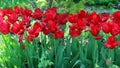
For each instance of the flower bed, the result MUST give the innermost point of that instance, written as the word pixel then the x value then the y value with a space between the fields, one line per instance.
pixel 18 22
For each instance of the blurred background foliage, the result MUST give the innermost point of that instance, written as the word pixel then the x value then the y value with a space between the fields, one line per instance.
pixel 108 3
pixel 12 3
pixel 69 6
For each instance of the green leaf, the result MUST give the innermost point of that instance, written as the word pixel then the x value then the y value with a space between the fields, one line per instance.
pixel 77 62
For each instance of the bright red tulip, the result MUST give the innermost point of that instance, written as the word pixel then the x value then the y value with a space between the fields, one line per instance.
pixel 111 42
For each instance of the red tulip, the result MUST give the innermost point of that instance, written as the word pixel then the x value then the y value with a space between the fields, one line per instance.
pixel 37 14
pixel 71 18
pixel 74 30
pixel 12 18
pixel 35 30
pixel 111 42
pixel 25 11
pixel 81 24
pixel 23 47
pixel 104 17
pixel 98 37
pixel 7 11
pixel 52 26
pixel 94 18
pixel 61 18
pixel 17 9
pixel 20 38
pixel 94 29
pixel 30 38
pixel 1 13
pixel 81 14
pixel 15 28
pixel 106 27
pixel 116 17
pixel 58 34
pixel 5 28
pixel 50 13
pixel 115 29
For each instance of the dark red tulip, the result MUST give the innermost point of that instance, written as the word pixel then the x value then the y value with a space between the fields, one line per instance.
pixel 94 29
pixel 37 14
pixel 71 18
pixel 50 13
pixel 23 47
pixel 58 34
pixel 104 17
pixel 30 38
pixel 111 42
pixel 106 27
pixel 61 18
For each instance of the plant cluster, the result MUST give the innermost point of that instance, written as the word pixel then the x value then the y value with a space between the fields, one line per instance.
pixel 50 22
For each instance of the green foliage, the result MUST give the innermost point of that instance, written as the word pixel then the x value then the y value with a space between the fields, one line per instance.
pixel 83 52
pixel 43 62
pixel 101 2
pixel 12 3
pixel 104 3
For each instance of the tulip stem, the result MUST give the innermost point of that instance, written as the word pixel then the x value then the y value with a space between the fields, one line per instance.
pixel 110 58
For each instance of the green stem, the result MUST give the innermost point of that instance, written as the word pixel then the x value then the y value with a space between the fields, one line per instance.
pixel 110 57
pixel 95 54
